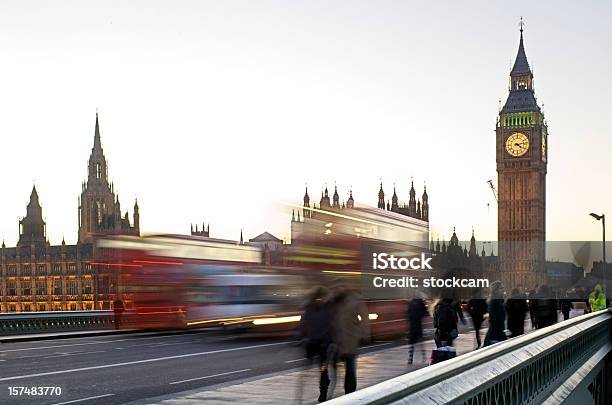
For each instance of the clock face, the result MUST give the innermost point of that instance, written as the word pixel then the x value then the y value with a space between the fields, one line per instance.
pixel 517 144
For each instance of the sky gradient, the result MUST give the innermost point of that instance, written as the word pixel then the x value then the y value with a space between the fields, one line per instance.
pixel 220 111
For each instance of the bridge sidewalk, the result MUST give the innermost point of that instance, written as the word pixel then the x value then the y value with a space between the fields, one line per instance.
pixel 284 387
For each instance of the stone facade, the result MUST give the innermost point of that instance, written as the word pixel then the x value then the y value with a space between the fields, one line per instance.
pixel 36 276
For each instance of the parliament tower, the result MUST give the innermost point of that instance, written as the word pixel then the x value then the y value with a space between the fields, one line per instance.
pixel 521 136
pixel 99 207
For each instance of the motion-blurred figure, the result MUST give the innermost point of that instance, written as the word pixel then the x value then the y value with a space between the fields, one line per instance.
pixel 531 305
pixel 416 311
pixel 349 328
pixel 544 308
pixel 566 306
pixel 516 307
pixel 477 308
pixel 445 322
pixel 581 296
pixel 316 334
pixel 118 309
pixel 497 315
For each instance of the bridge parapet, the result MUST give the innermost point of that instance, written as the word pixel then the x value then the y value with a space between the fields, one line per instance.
pixel 41 322
pixel 567 362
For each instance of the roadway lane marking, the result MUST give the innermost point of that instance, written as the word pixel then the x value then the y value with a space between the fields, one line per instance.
pixel 376 345
pixel 293 361
pixel 167 344
pixel 84 399
pixel 211 376
pixel 73 354
pixel 129 363
pixel 87 343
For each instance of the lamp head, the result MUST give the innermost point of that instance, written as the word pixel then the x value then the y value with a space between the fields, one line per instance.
pixel 597 217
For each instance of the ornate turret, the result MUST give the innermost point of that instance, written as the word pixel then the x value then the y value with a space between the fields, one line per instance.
pixel 381 197
pixel 97 162
pixel 336 198
pixel 522 96
pixel 350 203
pixel 306 199
pixel 454 240
pixel 99 208
pixel 425 205
pixel 473 252
pixel 137 216
pixel 412 201
pixel 32 227
pixel 325 203
pixel 394 202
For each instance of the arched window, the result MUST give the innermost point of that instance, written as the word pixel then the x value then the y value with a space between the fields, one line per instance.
pixel 98 171
pixel 99 204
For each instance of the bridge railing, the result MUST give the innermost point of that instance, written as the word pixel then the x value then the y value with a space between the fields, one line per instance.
pixel 42 322
pixel 565 362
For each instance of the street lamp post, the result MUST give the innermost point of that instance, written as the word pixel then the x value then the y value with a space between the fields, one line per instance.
pixel 604 265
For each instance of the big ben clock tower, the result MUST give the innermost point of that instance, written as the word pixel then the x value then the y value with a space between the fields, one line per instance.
pixel 521 147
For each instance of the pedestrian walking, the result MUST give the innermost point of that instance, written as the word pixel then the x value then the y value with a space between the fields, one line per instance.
pixel 531 305
pixel 118 309
pixel 566 306
pixel 497 315
pixel 477 308
pixel 315 333
pixel 445 322
pixel 544 308
pixel 349 328
pixel 416 311
pixel 516 308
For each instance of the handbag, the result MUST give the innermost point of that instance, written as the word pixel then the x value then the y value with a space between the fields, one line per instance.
pixel 442 354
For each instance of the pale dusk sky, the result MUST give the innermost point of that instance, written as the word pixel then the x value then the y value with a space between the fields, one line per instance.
pixel 220 111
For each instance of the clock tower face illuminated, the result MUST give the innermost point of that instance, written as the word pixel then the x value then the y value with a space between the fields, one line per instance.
pixel 521 156
pixel 517 144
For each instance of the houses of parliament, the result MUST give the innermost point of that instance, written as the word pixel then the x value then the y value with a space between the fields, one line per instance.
pixel 36 276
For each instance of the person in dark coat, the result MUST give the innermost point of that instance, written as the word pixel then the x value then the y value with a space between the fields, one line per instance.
pixel 497 315
pixel 531 305
pixel 416 311
pixel 477 308
pixel 350 327
pixel 315 330
pixel 544 308
pixel 118 309
pixel 566 305
pixel 445 322
pixel 516 308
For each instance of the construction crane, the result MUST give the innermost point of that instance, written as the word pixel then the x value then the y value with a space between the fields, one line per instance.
pixel 493 189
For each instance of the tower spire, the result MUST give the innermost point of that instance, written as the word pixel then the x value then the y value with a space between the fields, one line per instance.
pixel 97 142
pixel 521 97
pixel 521 65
